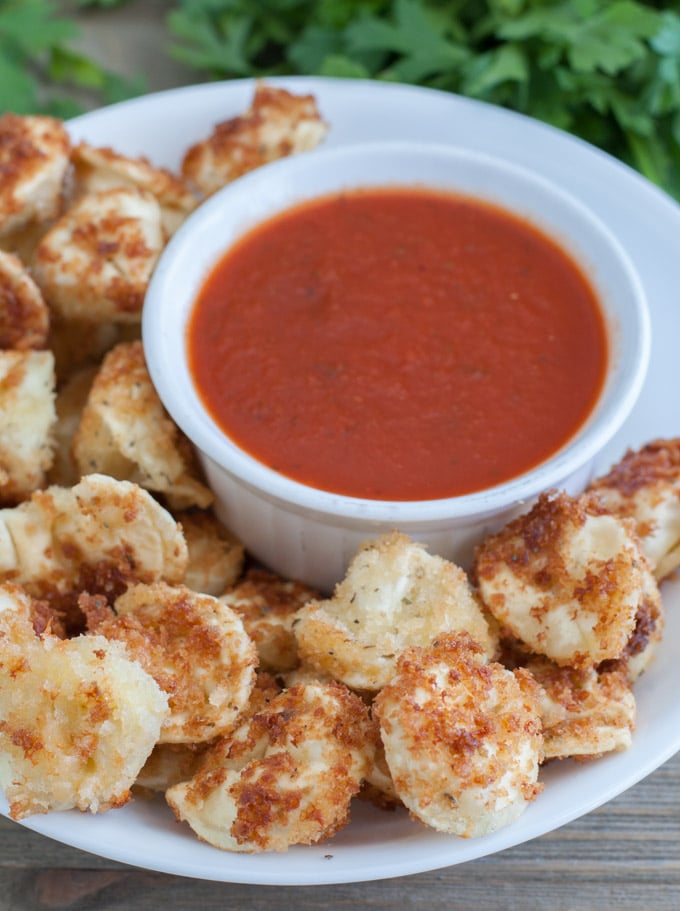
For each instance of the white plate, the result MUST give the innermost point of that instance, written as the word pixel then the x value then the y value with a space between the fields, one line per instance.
pixel 378 844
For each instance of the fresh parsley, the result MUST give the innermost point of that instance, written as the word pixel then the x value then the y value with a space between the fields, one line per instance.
pixel 606 70
pixel 41 72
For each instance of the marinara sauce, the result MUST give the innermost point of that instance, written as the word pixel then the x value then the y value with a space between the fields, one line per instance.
pixel 398 344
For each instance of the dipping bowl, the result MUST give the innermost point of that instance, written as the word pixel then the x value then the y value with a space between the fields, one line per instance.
pixel 310 534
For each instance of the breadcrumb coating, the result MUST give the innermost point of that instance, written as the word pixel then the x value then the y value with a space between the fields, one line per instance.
pixel 195 648
pixel 78 719
pixel 100 536
pixel 16 627
pixel 216 556
pixel 95 263
pixel 394 595
pixel 462 737
pixel 99 169
pixel 27 419
pixel 268 605
pixel 285 777
pixel 567 578
pixel 645 487
pixel 172 763
pixel 24 317
pixel 277 124
pixel 585 712
pixel 126 432
pixel 34 159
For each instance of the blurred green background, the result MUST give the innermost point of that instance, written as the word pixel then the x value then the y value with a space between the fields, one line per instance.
pixel 606 70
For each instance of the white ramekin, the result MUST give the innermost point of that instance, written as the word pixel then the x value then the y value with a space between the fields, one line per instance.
pixel 310 534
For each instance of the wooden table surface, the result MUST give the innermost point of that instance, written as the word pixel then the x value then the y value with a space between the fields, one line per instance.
pixel 626 855
pixel 623 856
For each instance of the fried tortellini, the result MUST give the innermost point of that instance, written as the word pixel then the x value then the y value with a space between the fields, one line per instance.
pixel 645 487
pixel 462 737
pixel 78 718
pixel 34 161
pixel 285 777
pixel 566 578
pixel 125 432
pixel 394 595
pixel 278 123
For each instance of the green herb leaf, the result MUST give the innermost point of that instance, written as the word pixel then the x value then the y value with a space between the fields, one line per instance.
pixel 340 66
pixel 17 88
pixel 35 56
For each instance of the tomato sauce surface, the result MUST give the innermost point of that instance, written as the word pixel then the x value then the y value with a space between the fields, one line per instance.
pixel 398 344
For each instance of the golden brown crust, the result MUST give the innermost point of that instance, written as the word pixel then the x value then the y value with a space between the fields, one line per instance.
pixel 567 578
pixel 656 462
pixel 394 595
pixel 79 719
pixel 99 537
pixel 195 649
pixel 285 777
pixel 645 488
pixel 34 153
pixel 95 263
pixel 585 713
pixel 99 169
pixel 462 737
pixel 24 318
pixel 277 124
pixel 267 603
pixel 125 432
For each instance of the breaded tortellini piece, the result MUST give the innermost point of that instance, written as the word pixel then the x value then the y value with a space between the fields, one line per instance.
pixel 100 536
pixel 645 487
pixel 98 169
pixel 34 160
pixel 216 556
pixel 126 432
pixel 585 712
pixel 566 578
pixel 27 420
pixel 462 737
pixel 24 317
pixel 78 719
pixel 394 595
pixel 285 777
pixel 268 605
pixel 172 763
pixel 95 263
pixel 195 648
pixel 278 123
